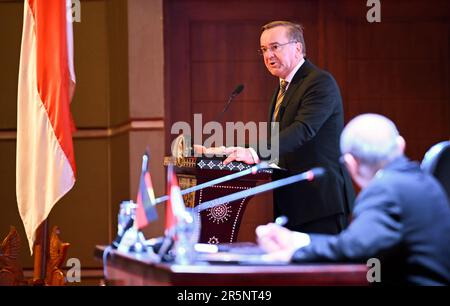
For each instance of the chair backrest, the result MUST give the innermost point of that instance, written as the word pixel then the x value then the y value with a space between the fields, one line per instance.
pixel 437 162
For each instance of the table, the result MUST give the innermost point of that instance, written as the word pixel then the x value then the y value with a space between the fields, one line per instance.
pixel 137 269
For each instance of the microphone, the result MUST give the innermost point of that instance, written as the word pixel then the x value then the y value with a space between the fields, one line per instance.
pixel 315 173
pixel 235 92
pixel 115 244
pixel 310 175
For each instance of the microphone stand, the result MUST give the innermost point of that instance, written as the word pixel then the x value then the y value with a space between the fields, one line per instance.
pixel 219 117
pixel 235 92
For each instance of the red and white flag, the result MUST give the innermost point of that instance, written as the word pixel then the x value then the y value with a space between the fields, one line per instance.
pixel 146 211
pixel 45 164
pixel 175 205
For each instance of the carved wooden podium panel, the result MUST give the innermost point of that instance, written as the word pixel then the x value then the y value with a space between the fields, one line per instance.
pixel 219 224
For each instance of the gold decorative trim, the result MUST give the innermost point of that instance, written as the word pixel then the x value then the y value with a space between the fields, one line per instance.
pixel 187 181
pixel 185 162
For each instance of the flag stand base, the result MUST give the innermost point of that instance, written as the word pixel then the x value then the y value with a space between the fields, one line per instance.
pixel 50 254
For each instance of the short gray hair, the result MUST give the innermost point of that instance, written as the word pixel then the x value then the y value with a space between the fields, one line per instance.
pixel 295 31
pixel 371 139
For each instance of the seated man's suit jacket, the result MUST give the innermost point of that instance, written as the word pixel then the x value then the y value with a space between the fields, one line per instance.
pixel 403 219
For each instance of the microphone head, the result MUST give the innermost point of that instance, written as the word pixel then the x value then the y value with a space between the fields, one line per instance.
pixel 319 171
pixel 235 92
pixel 315 173
pixel 238 89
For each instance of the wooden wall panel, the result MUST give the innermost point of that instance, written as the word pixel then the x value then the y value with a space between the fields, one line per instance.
pixel 146 98
pixel 400 68
pixel 139 141
pixel 214 81
pixel 404 79
pixel 146 58
pixel 407 10
pixel 90 106
pixel 118 72
pixel 398 40
pixel 11 15
pixel 210 40
pixel 84 215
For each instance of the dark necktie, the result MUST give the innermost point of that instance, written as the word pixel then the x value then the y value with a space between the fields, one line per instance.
pixel 281 93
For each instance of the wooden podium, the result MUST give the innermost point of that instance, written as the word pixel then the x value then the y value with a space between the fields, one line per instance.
pixel 219 224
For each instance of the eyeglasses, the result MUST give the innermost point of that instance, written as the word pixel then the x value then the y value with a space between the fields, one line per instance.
pixel 274 48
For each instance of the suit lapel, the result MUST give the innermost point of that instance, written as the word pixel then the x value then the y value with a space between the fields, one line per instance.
pixel 272 104
pixel 296 82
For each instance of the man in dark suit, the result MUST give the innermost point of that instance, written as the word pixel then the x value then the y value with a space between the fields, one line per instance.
pixel 307 105
pixel 401 216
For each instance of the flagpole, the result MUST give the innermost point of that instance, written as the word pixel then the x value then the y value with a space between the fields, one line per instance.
pixel 40 254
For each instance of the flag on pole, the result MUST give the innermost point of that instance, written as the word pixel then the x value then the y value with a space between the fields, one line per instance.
pixel 146 211
pixel 45 164
pixel 175 205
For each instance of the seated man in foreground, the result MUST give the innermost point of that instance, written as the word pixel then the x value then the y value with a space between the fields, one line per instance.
pixel 401 216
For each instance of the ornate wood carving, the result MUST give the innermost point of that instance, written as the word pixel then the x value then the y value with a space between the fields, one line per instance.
pixel 187 181
pixel 56 258
pixel 10 271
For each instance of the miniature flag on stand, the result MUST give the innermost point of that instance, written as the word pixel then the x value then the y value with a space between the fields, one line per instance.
pixel 175 204
pixel 45 163
pixel 145 212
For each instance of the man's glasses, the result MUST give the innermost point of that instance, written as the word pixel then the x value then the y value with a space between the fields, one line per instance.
pixel 274 48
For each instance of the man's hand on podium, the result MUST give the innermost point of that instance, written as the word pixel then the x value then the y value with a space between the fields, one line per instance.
pixel 241 154
pixel 199 149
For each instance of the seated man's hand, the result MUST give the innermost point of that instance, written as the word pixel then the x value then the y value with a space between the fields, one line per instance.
pixel 240 154
pixel 279 242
